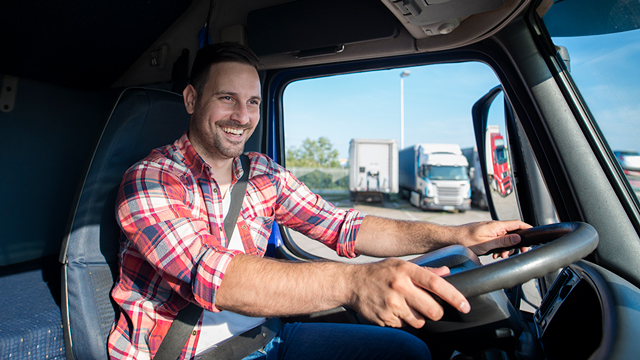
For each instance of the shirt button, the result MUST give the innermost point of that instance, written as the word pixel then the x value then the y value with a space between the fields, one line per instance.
pixel 244 227
pixel 215 190
pixel 193 333
pixel 220 228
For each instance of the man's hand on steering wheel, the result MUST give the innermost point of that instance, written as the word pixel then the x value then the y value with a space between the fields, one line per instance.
pixel 482 237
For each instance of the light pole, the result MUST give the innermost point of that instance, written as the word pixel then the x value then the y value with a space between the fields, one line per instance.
pixel 403 75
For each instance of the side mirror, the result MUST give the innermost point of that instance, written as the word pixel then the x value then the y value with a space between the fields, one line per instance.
pixel 493 149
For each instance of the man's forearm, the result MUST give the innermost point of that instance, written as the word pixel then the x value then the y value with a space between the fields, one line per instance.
pixel 257 286
pixel 386 237
pixel 388 293
pixel 383 237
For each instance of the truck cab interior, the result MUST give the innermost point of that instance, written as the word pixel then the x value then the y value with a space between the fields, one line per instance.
pixel 87 89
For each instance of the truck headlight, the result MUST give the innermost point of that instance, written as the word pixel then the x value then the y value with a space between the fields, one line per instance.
pixel 428 189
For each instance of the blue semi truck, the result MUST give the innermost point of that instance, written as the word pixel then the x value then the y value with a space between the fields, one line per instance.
pixel 435 176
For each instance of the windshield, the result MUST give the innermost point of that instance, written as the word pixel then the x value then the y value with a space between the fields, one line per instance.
pixel 501 155
pixel 605 68
pixel 447 173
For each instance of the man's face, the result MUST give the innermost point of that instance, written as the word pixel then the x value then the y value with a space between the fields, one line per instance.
pixel 225 115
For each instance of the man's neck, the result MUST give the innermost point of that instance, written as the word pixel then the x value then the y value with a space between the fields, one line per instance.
pixel 222 172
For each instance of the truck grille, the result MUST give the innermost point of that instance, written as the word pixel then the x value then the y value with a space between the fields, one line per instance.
pixel 448 195
pixel 507 185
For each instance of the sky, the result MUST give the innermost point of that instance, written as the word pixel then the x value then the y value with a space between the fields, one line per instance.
pixel 438 99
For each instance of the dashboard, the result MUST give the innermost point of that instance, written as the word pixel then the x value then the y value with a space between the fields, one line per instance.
pixel 589 313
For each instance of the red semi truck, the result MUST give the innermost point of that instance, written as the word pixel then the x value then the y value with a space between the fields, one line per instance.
pixel 498 169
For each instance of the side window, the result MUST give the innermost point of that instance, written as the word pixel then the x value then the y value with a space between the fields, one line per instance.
pixel 397 143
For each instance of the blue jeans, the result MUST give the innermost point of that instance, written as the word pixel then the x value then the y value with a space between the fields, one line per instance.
pixel 341 341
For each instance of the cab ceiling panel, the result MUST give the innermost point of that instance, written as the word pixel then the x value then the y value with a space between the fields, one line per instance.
pixel 80 44
pixel 311 27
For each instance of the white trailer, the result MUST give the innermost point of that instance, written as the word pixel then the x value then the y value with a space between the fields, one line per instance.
pixel 373 169
pixel 435 176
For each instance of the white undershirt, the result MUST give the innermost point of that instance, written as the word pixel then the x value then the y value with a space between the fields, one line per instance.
pixel 218 327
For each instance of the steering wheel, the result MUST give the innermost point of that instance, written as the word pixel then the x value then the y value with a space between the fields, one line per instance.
pixel 561 245
pixel 564 244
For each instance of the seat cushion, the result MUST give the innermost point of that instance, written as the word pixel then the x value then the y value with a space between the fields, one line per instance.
pixel 30 320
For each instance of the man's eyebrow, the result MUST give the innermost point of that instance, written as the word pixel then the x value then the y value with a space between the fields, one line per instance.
pixel 232 93
pixel 225 93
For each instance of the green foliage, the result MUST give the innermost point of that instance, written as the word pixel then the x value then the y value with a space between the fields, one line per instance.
pixel 321 180
pixel 313 153
pixel 317 180
pixel 342 183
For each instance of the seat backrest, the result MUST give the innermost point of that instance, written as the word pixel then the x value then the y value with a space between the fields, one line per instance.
pixel 142 119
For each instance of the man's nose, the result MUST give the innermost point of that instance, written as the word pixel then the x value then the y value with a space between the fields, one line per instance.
pixel 240 113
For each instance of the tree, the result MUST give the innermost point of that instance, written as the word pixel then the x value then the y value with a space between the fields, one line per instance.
pixel 313 153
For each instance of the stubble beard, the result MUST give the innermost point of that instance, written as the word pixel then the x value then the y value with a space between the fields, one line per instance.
pixel 215 145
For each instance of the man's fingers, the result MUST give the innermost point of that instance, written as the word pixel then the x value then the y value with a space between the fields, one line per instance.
pixel 441 271
pixel 426 305
pixel 510 240
pixel 413 318
pixel 512 225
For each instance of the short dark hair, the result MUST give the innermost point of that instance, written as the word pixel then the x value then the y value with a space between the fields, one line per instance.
pixel 219 53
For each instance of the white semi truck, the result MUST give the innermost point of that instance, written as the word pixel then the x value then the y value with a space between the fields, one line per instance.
pixel 373 169
pixel 435 176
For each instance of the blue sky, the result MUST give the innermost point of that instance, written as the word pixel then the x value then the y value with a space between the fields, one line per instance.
pixel 438 99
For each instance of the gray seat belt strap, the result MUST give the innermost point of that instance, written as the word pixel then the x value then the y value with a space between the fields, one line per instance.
pixel 187 318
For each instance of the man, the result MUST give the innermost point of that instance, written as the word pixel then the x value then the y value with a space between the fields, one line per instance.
pixel 174 250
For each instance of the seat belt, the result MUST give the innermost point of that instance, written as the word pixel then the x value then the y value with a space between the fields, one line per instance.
pixel 184 323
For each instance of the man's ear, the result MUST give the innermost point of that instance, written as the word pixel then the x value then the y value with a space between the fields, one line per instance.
pixel 190 96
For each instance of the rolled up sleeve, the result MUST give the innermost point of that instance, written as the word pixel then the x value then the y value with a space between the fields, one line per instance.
pixel 299 208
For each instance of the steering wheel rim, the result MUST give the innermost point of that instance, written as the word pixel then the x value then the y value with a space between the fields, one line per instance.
pixel 577 240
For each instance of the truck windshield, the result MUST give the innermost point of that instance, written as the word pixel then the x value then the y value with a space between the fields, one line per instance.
pixel 501 155
pixel 447 173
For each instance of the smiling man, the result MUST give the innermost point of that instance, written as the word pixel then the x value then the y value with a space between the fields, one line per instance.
pixel 224 114
pixel 174 250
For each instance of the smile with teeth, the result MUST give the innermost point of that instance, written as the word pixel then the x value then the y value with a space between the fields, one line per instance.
pixel 233 131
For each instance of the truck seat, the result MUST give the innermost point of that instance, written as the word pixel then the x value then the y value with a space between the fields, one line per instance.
pixel 141 120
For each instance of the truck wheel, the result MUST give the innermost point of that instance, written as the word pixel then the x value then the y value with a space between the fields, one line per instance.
pixel 423 207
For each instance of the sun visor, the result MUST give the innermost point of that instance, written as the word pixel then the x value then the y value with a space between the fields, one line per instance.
pixel 312 28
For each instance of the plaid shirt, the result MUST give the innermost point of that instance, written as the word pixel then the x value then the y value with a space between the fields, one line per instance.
pixel 173 246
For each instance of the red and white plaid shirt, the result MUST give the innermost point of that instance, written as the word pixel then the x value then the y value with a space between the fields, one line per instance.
pixel 173 246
